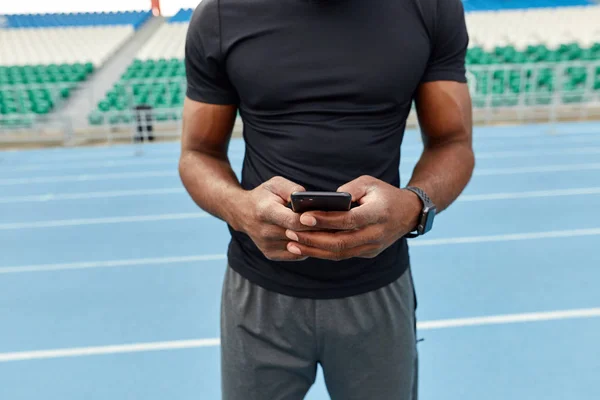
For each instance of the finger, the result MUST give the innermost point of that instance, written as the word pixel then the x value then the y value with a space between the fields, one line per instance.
pixel 271 237
pixel 284 255
pixel 283 217
pixel 271 234
pixel 283 188
pixel 339 241
pixel 365 251
pixel 358 188
pixel 355 218
pixel 276 250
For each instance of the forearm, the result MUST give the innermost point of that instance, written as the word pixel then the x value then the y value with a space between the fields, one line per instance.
pixel 212 184
pixel 443 171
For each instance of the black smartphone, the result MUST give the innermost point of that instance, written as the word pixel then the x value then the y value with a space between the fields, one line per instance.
pixel 321 201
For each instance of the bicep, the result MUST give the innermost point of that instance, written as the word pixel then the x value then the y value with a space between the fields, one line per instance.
pixel 207 127
pixel 444 111
pixel 210 106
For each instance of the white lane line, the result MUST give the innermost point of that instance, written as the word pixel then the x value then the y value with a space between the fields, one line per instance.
pixel 90 195
pixel 215 342
pixel 100 164
pixel 126 151
pixel 100 221
pixel 237 156
pixel 84 153
pixel 135 262
pixel 518 133
pixel 562 140
pixel 525 195
pixel 88 177
pixel 179 190
pixel 590 130
pixel 492 155
pixel 211 257
pixel 507 238
pixel 173 173
pixel 536 153
pixel 101 350
pixel 496 143
pixel 536 169
pixel 510 319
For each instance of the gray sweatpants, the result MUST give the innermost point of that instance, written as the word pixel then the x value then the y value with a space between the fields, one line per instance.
pixel 271 343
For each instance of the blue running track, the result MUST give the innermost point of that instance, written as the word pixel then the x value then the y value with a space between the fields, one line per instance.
pixel 110 276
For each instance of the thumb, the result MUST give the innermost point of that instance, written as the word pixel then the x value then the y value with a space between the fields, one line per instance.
pixel 358 188
pixel 282 187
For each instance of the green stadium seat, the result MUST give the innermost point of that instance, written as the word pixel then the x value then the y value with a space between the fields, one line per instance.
pixel 162 116
pixel 114 119
pixel 53 79
pixel 160 83
pixel 104 106
pixel 96 118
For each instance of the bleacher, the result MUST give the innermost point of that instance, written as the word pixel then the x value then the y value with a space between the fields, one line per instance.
pixel 133 18
pixel 44 57
pixel 521 53
pixel 535 56
pixel 156 78
pixel 183 15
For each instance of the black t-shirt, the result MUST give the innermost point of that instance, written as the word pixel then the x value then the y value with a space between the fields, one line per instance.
pixel 324 88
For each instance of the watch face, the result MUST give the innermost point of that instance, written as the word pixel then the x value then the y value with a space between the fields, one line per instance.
pixel 428 223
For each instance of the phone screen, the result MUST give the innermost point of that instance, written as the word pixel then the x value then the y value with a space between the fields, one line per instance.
pixel 321 201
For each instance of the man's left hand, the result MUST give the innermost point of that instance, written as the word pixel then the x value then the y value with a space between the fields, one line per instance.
pixel 385 214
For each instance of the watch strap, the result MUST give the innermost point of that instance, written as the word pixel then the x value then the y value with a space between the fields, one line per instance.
pixel 427 203
pixel 427 207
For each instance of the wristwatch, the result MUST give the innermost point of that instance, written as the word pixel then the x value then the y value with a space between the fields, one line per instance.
pixel 427 213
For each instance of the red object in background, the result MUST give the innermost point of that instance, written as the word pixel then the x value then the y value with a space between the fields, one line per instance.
pixel 156 7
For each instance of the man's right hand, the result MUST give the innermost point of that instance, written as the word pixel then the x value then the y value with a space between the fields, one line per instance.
pixel 264 216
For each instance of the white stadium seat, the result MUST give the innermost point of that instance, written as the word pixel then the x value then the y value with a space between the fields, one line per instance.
pixel 487 29
pixel 168 42
pixel 548 26
pixel 31 46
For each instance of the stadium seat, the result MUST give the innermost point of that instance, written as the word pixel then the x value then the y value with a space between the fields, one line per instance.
pixel 34 46
pixel 133 18
pixel 515 55
pixel 156 78
pixel 167 43
pixel 183 15
pixel 36 89
pixel 537 51
pixel 533 54
pixel 550 27
pixel 44 57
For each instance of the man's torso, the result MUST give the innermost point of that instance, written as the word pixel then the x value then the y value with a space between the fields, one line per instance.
pixel 324 90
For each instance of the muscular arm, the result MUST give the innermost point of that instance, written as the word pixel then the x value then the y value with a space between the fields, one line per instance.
pixel 387 213
pixel 447 162
pixel 204 167
pixel 206 173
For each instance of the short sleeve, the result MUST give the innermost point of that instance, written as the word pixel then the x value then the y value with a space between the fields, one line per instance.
pixel 450 41
pixel 207 79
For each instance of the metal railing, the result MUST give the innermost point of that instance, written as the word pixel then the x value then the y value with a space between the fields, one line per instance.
pixel 540 92
pixel 546 91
